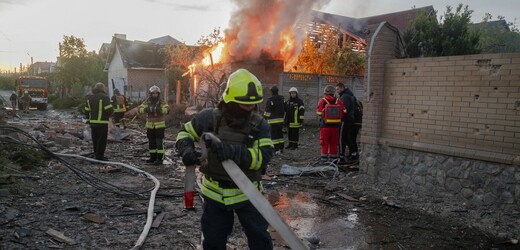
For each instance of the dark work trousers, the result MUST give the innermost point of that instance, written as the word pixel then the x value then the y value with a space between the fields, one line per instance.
pixel 217 224
pixel 277 136
pixel 348 138
pixel 155 143
pixel 99 139
pixel 293 135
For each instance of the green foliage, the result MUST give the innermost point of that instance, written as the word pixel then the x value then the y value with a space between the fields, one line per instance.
pixel 324 56
pixel 66 102
pixel 27 158
pixel 451 36
pixel 72 47
pixel 7 82
pixel 497 36
pixel 78 69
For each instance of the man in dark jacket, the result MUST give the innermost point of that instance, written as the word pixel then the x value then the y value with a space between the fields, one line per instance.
pixel 98 109
pixel 246 139
pixel 349 130
pixel 274 113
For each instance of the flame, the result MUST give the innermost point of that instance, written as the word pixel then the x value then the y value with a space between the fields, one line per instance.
pixel 216 54
pixel 259 28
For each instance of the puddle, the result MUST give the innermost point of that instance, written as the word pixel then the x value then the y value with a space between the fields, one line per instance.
pixel 318 223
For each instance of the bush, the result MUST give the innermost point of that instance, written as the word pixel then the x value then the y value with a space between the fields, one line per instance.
pixel 66 102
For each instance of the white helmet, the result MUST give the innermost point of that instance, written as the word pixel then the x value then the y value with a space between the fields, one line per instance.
pixel 293 89
pixel 155 89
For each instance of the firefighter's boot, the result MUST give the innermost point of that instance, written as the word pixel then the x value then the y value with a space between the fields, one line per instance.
pixel 153 158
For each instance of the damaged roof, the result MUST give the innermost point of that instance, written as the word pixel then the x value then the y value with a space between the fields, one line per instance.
pixel 137 54
pixel 357 26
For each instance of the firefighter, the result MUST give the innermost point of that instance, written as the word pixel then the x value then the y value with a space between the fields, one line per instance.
pixel 246 139
pixel 330 110
pixel 26 101
pixel 14 100
pixel 294 119
pixel 120 104
pixel 275 113
pixel 98 109
pixel 156 112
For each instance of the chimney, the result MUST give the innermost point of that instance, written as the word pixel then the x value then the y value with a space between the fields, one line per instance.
pixel 120 36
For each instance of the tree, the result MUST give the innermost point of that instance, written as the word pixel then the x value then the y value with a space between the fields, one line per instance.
pixel 497 36
pixel 450 36
pixel 180 57
pixel 77 68
pixel 184 64
pixel 323 55
pixel 72 47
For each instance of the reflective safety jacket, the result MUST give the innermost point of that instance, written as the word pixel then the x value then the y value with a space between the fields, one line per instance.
pixel 274 109
pixel 251 137
pixel 155 113
pixel 119 103
pixel 295 112
pixel 98 108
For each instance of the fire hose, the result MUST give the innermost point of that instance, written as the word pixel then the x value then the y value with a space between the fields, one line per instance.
pixel 255 197
pixel 149 217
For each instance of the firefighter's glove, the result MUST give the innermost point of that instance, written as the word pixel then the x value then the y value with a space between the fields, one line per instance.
pixel 223 150
pixel 189 157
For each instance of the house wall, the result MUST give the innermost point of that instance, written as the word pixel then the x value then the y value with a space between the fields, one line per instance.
pixel 117 74
pixel 443 126
pixel 140 81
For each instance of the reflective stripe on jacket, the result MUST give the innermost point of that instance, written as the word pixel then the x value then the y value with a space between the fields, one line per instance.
pixel 155 114
pixel 119 103
pixel 295 112
pixel 251 155
pixel 98 108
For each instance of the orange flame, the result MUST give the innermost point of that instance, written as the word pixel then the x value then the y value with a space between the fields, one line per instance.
pixel 216 54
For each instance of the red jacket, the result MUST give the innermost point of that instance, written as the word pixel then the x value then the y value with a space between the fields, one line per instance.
pixel 321 108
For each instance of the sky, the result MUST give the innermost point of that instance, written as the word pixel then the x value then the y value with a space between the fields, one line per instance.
pixel 33 28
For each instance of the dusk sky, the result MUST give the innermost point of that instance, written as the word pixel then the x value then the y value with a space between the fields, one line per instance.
pixel 33 28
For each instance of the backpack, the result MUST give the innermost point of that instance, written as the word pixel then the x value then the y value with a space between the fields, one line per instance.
pixel 358 111
pixel 332 112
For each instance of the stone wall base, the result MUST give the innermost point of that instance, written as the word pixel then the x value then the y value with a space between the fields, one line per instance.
pixel 474 182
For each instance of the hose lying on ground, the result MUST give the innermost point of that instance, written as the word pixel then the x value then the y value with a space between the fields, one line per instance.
pixel 90 179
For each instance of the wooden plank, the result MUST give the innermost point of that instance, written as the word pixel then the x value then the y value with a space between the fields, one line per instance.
pixel 94 218
pixel 158 220
pixel 347 197
pixel 60 236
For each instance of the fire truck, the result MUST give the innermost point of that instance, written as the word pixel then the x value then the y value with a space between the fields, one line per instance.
pixel 37 88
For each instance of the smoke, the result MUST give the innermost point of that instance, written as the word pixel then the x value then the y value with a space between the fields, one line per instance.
pixel 260 27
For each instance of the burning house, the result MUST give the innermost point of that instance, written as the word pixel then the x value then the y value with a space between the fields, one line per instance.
pixel 262 37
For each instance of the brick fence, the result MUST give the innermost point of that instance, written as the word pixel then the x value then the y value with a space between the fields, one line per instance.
pixel 447 125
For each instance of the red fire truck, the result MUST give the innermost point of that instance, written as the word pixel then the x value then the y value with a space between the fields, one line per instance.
pixel 37 88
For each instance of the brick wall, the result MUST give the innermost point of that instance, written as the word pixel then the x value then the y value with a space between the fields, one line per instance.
pixel 459 105
pixel 464 106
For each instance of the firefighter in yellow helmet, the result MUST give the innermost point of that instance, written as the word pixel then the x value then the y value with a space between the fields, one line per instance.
pixel 156 112
pixel 246 139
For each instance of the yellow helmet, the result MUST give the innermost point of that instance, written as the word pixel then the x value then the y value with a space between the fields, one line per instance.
pixel 244 88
